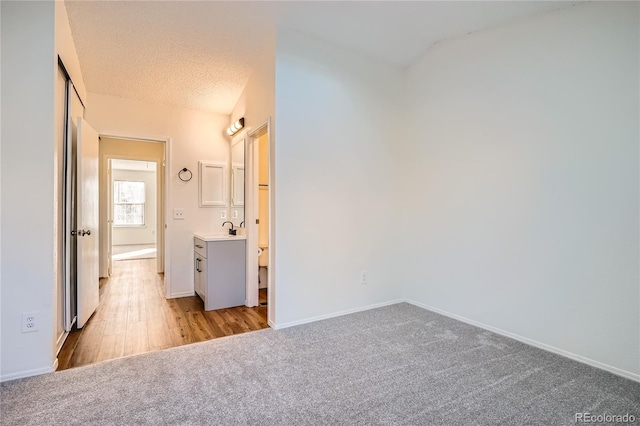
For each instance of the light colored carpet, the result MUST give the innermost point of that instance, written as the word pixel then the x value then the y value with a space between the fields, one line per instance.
pixel 394 365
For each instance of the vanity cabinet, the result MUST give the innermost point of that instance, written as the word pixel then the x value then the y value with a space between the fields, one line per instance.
pixel 219 270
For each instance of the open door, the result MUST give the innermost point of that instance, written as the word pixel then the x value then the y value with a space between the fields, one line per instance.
pixel 251 216
pixel 87 222
pixel 109 217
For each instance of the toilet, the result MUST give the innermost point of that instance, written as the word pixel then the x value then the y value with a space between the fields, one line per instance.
pixel 263 264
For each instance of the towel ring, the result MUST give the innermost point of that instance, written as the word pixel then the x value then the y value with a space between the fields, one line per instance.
pixel 185 170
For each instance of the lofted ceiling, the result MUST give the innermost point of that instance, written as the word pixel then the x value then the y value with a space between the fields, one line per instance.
pixel 200 54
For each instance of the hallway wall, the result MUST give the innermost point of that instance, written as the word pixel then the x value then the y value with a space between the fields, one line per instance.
pixel 194 136
pixel 338 114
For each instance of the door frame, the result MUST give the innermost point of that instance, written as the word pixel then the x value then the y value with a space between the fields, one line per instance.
pixel 162 226
pixel 67 213
pixel 104 161
pixel 251 214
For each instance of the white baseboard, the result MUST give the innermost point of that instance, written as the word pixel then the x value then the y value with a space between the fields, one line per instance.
pixel 183 294
pixel 60 342
pixel 333 315
pixel 530 342
pixel 29 373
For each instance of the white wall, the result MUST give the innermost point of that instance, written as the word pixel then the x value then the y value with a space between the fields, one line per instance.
pixel 28 82
pixel 337 114
pixel 66 49
pixel 27 193
pixel 512 195
pixel 146 234
pixel 521 177
pixel 257 101
pixel 257 105
pixel 195 135
pixel 237 185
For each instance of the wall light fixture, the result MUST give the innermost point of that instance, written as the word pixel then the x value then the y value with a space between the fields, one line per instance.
pixel 235 127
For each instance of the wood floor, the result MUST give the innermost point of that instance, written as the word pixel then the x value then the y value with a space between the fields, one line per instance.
pixel 134 317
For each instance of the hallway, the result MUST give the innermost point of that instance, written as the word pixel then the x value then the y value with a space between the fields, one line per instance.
pixel 134 317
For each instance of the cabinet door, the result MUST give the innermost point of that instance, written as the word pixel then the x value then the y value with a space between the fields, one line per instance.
pixel 203 280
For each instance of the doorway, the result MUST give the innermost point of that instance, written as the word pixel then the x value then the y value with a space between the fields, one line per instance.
pixel 133 209
pixel 132 194
pixel 260 227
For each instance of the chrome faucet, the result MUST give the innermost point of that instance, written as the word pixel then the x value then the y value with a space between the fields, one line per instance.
pixel 231 230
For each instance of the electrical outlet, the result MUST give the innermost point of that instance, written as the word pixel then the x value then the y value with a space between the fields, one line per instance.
pixel 223 214
pixel 178 214
pixel 364 277
pixel 29 322
pixel 234 215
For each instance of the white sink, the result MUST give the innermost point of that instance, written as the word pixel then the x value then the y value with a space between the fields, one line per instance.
pixel 204 236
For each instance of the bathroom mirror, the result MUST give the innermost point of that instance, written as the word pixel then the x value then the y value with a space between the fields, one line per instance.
pixel 237 181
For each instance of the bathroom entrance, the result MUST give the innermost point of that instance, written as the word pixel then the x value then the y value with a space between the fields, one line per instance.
pixel 263 212
pixel 260 253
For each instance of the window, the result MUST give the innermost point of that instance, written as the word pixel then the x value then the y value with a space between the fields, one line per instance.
pixel 128 203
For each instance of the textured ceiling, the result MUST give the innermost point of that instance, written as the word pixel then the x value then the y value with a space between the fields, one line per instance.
pixel 200 54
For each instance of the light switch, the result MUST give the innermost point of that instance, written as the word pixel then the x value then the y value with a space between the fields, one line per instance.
pixel 178 214
pixel 234 215
pixel 223 214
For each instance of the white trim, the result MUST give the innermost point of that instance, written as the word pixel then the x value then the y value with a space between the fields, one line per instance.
pixel 155 139
pixel 271 270
pixel 251 197
pixel 584 360
pixel 60 341
pixel 166 262
pixel 534 343
pixel 182 294
pixel 251 213
pixel 592 363
pixel 104 242
pixel 334 314
pixel 29 373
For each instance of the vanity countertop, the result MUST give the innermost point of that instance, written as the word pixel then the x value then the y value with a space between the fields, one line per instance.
pixel 218 237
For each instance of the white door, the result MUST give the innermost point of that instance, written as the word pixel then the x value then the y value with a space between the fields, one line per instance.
pixel 109 218
pixel 87 222
pixel 251 218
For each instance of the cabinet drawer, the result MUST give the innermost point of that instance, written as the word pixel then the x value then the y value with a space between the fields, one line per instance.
pixel 200 247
